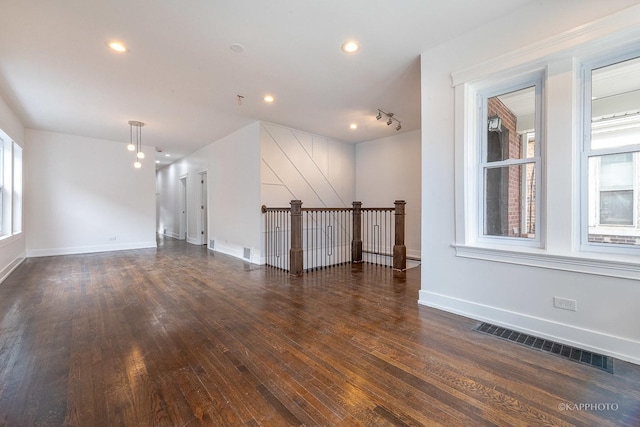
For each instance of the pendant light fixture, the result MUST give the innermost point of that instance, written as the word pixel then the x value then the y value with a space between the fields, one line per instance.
pixel 135 141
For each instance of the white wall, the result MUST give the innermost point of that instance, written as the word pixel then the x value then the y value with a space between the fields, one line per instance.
pixel 84 195
pixel 297 165
pixel 233 187
pixel 506 293
pixel 12 249
pixel 235 219
pixel 388 169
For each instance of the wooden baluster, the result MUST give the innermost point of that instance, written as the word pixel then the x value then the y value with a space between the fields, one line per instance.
pixel 399 249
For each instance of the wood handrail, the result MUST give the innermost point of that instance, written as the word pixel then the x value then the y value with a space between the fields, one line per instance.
pixel 266 209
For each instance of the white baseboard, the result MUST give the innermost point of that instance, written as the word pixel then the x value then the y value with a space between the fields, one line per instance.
pixel 194 241
pixel 5 272
pixel 414 253
pixel 238 252
pixel 33 253
pixel 618 347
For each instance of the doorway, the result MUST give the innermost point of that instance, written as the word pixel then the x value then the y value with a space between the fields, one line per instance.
pixel 202 221
pixel 182 208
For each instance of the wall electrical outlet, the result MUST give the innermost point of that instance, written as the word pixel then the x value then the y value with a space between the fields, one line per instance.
pixel 565 303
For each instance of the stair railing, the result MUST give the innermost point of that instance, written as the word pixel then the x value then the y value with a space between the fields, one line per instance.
pixel 301 239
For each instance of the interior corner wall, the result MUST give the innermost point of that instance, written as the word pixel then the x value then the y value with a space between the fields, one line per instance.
pixel 388 169
pixel 12 249
pixel 232 165
pixel 296 165
pixel 517 296
pixel 84 195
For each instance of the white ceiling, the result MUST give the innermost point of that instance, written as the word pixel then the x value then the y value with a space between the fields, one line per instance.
pixel 181 78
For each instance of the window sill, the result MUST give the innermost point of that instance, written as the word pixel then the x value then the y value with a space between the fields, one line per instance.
pixel 8 239
pixel 621 266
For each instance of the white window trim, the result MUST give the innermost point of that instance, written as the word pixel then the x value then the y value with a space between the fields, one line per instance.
pixel 17 188
pixel 618 32
pixel 6 188
pixel 625 267
pixel 8 239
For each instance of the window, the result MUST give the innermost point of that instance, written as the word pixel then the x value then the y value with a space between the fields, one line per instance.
pixel 17 190
pixel 611 173
pixel 509 164
pixel 10 187
pixel 2 197
pixel 5 187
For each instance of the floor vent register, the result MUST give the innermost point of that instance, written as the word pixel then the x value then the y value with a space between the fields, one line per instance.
pixel 595 360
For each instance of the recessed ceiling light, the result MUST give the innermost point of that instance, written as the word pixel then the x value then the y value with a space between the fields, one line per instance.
pixel 157 161
pixel 237 48
pixel 268 99
pixel 353 126
pixel 350 46
pixel 117 46
pixel 167 155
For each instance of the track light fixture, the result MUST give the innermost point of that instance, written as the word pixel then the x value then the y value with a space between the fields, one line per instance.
pixel 390 118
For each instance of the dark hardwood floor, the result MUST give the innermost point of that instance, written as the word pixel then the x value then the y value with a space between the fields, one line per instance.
pixel 179 336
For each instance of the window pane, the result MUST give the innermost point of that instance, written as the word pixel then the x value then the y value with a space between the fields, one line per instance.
pixel 616 171
pixel 510 125
pixel 616 207
pixel 612 199
pixel 615 105
pixel 510 201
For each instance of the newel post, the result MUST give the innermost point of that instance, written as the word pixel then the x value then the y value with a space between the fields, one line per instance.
pixel 295 253
pixel 356 243
pixel 399 249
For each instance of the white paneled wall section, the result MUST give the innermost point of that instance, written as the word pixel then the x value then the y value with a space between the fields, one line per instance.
pixel 296 165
